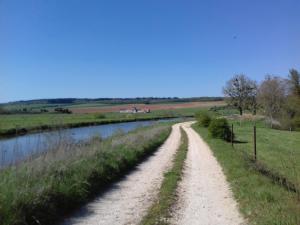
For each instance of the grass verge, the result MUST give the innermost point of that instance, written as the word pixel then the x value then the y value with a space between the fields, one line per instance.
pixel 159 211
pixel 278 152
pixel 44 189
pixel 261 200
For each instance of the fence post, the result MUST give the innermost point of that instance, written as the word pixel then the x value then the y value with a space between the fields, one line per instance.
pixel 232 135
pixel 254 140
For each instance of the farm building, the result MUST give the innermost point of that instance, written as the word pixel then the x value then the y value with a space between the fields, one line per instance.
pixel 135 110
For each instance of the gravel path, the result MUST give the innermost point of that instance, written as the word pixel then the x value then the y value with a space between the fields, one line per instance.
pixel 128 200
pixel 204 194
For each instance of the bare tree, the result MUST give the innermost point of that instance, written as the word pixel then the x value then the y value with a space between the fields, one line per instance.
pixel 272 96
pixel 241 92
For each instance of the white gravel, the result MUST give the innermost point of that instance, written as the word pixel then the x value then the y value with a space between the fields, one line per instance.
pixel 128 200
pixel 204 195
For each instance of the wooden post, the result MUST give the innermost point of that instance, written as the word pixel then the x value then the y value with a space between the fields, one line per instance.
pixel 232 135
pixel 254 140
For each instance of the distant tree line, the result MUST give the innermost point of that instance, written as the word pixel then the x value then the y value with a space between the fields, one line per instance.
pixel 62 110
pixel 278 98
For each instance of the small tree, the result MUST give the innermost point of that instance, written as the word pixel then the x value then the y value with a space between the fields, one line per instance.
pixel 294 81
pixel 241 92
pixel 272 96
pixel 292 105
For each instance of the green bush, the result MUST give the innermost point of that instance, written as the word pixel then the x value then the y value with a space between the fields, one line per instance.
pixel 219 128
pixel 203 119
pixel 296 123
pixel 100 116
pixel 286 123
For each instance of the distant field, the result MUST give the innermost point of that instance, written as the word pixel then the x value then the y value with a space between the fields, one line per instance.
pixel 88 114
pixel 50 104
pixel 152 107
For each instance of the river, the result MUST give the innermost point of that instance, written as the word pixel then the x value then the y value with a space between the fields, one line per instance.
pixel 19 148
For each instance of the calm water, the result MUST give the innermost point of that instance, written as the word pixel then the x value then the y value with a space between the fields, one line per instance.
pixel 20 148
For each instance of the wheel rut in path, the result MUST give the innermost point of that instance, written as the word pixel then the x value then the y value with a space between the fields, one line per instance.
pixel 204 196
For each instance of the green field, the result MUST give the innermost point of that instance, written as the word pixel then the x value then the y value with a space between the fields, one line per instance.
pixel 50 104
pixel 36 107
pixel 277 150
pixel 262 198
pixel 22 123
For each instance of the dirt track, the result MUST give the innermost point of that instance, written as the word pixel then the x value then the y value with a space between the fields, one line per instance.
pixel 204 194
pixel 127 202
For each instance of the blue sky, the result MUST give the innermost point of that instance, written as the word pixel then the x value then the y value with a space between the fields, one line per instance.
pixel 76 48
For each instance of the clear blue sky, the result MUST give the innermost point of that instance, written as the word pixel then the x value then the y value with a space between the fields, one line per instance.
pixel 125 48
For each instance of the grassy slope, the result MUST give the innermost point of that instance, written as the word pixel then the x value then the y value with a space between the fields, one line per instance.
pixel 55 183
pixel 260 200
pixel 159 212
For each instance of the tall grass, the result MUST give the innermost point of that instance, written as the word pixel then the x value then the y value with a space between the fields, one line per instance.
pixel 42 189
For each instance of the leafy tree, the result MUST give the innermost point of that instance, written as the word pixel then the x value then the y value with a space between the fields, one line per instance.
pixel 272 96
pixel 294 81
pixel 241 91
pixel 292 106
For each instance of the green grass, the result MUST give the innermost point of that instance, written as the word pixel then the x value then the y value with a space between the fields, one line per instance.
pixel 277 151
pixel 14 124
pixel 51 185
pixel 36 107
pixel 24 123
pixel 159 211
pixel 261 200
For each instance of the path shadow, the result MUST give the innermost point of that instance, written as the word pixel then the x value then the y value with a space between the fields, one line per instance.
pixel 240 142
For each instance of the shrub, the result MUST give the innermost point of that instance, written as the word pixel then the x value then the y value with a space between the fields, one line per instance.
pixel 203 119
pixel 296 123
pixel 219 128
pixel 100 116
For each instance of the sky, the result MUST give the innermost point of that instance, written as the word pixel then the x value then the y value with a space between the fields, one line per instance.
pixel 139 48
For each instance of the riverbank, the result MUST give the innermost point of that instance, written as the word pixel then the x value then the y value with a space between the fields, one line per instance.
pixel 42 190
pixel 17 125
